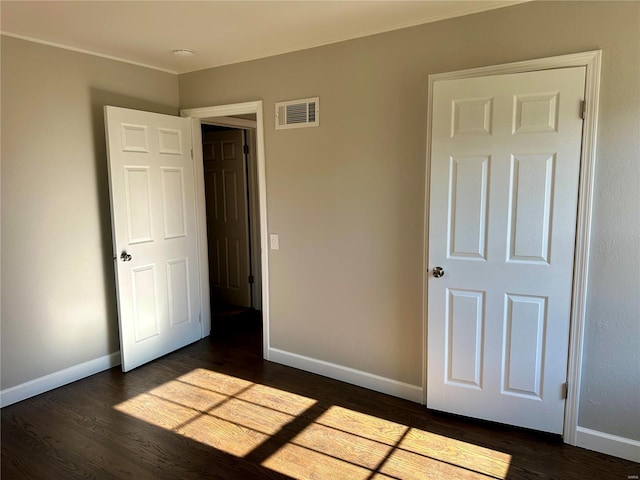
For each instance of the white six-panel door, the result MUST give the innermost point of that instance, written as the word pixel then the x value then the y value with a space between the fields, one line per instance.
pixel 505 163
pixel 154 233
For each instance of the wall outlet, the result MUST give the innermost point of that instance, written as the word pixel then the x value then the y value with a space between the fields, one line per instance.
pixel 275 241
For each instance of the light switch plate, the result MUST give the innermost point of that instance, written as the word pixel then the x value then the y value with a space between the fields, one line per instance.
pixel 275 241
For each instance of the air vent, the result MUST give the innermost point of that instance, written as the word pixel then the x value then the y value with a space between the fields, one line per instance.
pixel 298 113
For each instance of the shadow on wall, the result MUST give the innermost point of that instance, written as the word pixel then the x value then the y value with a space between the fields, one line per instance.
pixel 99 99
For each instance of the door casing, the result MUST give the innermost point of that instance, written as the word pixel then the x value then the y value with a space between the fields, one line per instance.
pixel 196 114
pixel 592 62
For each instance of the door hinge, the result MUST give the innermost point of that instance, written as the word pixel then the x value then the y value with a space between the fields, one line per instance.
pixel 200 317
pixel 245 149
pixel 565 390
pixel 583 109
pixel 251 279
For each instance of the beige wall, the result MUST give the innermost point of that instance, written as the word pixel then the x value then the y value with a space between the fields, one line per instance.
pixel 58 298
pixel 347 197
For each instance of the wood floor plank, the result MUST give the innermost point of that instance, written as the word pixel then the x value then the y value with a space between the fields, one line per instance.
pixel 216 410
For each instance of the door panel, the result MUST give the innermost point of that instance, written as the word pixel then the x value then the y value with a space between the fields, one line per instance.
pixel 225 187
pixel 505 162
pixel 173 202
pixel 137 191
pixel 467 223
pixel 525 324
pixel 531 188
pixel 465 324
pixel 153 218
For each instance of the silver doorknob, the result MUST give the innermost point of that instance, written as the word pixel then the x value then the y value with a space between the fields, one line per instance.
pixel 125 257
pixel 438 272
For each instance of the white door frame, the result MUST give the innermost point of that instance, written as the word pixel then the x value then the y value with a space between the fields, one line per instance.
pixel 232 122
pixel 196 114
pixel 591 61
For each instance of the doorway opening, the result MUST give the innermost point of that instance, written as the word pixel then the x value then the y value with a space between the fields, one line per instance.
pixel 246 117
pixel 233 226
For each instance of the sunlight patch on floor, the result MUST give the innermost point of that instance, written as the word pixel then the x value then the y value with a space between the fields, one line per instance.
pixel 277 400
pixel 224 412
pixel 295 436
pixel 214 381
pixel 230 437
pixel 367 426
pixel 462 454
pixel 298 462
pixel 349 447
pixel 359 445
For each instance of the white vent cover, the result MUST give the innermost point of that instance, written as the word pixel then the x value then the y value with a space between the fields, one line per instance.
pixel 298 113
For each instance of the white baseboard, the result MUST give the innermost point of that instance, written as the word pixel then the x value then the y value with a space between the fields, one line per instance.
pixel 57 379
pixel 349 375
pixel 606 443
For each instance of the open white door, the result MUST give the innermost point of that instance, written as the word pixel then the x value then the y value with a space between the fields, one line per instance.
pixel 505 165
pixel 153 213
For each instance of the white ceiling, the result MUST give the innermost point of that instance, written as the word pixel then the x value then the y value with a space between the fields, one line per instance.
pixel 220 32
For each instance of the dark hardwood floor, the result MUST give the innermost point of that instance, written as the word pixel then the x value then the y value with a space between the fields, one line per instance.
pixel 215 409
